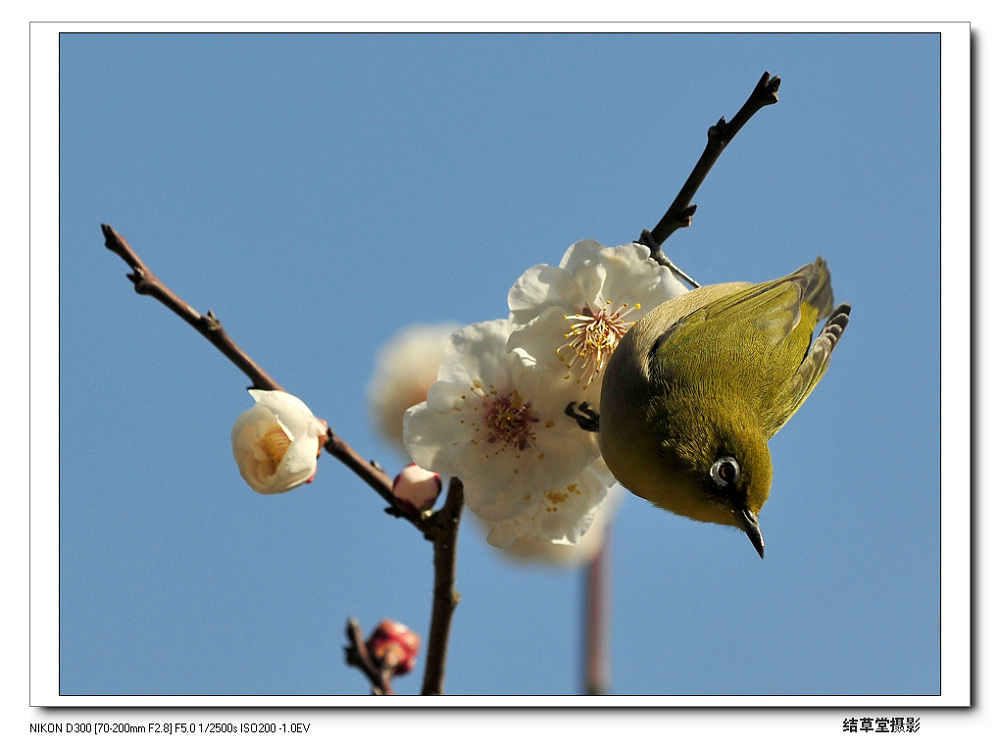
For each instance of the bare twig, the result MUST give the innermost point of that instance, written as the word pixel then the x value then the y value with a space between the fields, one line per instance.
pixel 681 211
pixel 441 528
pixel 369 471
pixel 443 531
pixel 656 253
pixel 146 282
pixel 356 653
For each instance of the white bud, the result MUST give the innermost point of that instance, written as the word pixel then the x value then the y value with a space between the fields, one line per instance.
pixel 277 441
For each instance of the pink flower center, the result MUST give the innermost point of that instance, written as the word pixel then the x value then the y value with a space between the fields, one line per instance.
pixel 509 420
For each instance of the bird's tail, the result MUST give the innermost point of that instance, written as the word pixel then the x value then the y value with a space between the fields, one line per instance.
pixel 816 287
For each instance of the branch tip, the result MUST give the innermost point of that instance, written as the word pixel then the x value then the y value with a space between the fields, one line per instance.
pixel 719 136
pixel 767 88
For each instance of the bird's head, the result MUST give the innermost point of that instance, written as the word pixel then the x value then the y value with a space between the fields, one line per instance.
pixel 716 468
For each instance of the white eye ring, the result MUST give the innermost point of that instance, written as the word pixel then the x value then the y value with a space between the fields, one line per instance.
pixel 725 472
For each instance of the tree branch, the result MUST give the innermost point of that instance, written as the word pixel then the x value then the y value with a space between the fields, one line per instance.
pixel 370 472
pixel 681 211
pixel 146 282
pixel 440 528
pixel 443 532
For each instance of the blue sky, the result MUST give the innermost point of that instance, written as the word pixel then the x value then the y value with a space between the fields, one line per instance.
pixel 319 192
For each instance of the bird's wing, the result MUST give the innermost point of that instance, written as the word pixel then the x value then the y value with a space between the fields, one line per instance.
pixel 767 312
pixel 753 324
pixel 773 308
pixel 808 374
pixel 777 305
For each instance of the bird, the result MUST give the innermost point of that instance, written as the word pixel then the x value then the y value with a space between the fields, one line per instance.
pixel 697 387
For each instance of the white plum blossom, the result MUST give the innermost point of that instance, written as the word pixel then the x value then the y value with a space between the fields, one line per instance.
pixel 496 416
pixel 496 421
pixel 570 318
pixel 560 515
pixel 405 367
pixel 533 550
pixel 276 442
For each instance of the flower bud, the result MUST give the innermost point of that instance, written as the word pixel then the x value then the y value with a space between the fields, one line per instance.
pixel 277 441
pixel 416 489
pixel 394 647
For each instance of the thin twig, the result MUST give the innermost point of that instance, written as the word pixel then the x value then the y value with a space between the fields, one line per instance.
pixel 443 531
pixel 146 282
pixel 681 211
pixel 372 474
pixel 656 253
pixel 441 528
pixel 356 653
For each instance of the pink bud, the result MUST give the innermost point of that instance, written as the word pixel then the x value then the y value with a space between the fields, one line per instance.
pixel 416 489
pixel 394 647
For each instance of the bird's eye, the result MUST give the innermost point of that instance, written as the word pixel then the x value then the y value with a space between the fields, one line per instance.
pixel 725 472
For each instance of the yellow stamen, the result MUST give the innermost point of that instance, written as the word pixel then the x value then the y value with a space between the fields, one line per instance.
pixel 593 336
pixel 274 443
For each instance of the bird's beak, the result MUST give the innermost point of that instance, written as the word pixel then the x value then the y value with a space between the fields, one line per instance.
pixel 752 528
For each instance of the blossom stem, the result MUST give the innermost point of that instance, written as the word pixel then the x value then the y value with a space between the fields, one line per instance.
pixel 681 211
pixel 443 532
pixel 441 528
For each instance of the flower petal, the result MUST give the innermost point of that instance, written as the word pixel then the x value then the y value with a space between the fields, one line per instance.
pixel 560 514
pixel 540 287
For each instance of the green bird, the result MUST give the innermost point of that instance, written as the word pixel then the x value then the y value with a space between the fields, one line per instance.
pixel 698 386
